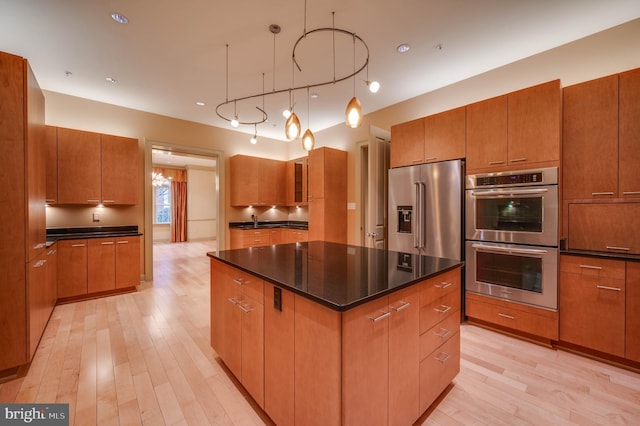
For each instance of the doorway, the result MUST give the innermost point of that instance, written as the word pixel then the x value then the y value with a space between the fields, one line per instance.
pixel 201 212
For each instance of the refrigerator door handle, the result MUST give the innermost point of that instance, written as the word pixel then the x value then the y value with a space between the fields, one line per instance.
pixel 416 217
pixel 423 216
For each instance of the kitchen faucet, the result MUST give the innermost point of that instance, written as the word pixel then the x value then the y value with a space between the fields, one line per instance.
pixel 254 217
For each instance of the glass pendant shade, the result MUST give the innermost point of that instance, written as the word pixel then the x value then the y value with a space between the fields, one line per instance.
pixel 292 127
pixel 354 113
pixel 308 140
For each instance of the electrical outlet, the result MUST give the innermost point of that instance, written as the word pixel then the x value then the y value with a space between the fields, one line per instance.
pixel 96 217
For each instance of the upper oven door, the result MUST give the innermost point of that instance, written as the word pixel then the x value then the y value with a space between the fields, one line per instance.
pixel 522 215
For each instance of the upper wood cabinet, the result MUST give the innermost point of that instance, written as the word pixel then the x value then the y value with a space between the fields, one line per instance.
pixel 51 165
pixel 328 195
pixel 95 168
pixel 590 139
pixel 517 130
pixel 256 181
pixel 629 135
pixel 487 133
pixel 437 137
pixel 120 170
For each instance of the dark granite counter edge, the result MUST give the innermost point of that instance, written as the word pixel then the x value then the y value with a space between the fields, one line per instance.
pixel 602 255
pixel 287 224
pixel 53 238
pixel 87 232
pixel 328 304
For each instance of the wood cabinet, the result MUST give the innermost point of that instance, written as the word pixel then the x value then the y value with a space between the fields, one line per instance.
pixel 256 181
pixel 237 331
pixel 296 182
pixel 604 227
pixel 536 322
pixel 519 130
pixel 94 168
pixel 590 139
pixel 22 196
pixel 632 326
pixel 445 135
pixel 437 137
pixel 328 195
pixel 297 235
pixel 279 360
pixel 407 143
pixel 72 268
pixel 51 164
pixel 101 261
pixel 592 303
pixel 127 261
pixel 629 135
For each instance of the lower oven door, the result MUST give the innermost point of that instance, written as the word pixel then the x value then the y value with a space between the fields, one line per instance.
pixel 526 274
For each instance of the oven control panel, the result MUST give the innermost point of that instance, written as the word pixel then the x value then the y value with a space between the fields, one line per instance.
pixel 545 176
pixel 513 179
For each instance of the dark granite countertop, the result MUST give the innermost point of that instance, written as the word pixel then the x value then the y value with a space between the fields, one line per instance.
pixel 338 276
pixel 601 255
pixel 72 233
pixel 288 224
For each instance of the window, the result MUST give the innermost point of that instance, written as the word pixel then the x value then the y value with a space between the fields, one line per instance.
pixel 162 204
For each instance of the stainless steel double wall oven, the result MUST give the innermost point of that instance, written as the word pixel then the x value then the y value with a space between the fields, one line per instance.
pixel 511 230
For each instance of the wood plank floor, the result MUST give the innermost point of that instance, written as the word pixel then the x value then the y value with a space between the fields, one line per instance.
pixel 145 358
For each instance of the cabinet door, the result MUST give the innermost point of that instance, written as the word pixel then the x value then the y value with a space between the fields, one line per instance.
pixel 52 276
pixel 590 139
pixel 38 310
pixel 316 174
pixel 444 135
pixel 534 120
pixel 120 166
pixel 603 227
pixel 407 143
pixel 629 134
pixel 101 265
pixel 632 348
pixel 51 141
pixel 225 317
pixel 127 261
pixel 365 367
pixel 404 356
pixel 487 134
pixel 592 304
pixel 72 268
pixel 79 180
pixel 271 179
pixel 244 180
pixel 278 355
pixel 438 370
pixel 252 347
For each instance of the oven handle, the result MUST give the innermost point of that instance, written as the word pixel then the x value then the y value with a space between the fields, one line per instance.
pixel 499 192
pixel 531 252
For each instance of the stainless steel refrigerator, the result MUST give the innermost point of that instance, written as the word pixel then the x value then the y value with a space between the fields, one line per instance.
pixel 425 209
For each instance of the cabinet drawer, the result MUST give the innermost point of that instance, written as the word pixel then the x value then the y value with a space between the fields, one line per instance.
pixel 513 316
pixel 439 286
pixel 438 309
pixel 605 227
pixel 248 284
pixel 255 238
pixel 590 266
pixel 438 334
pixel 438 370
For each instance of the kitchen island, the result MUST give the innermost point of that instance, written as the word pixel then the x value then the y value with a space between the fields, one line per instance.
pixel 325 333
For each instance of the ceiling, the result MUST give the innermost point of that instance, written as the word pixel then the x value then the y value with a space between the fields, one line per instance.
pixel 172 54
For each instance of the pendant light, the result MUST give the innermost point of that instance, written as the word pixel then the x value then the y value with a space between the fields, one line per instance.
pixel 308 140
pixel 353 113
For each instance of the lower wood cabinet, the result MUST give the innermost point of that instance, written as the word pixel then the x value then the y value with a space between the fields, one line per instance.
pixel 245 238
pixel 632 326
pixel 592 303
pixel 101 265
pixel 72 268
pixel 127 261
pixel 42 295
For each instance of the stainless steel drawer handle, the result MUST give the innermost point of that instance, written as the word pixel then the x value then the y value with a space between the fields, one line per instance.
pixel 500 314
pixel 93 201
pixel 123 242
pixel 604 287
pixel 443 285
pixel 379 317
pixel 108 201
pixel 430 158
pixel 232 300
pixel 77 245
pixel 245 308
pixel 109 243
pixel 518 160
pixel 618 248
pixel 240 281
pixel 602 193
pixel 444 358
pixel 493 163
pixel 443 311
pixel 39 263
pixel 416 161
pixel 591 267
pixel 404 305
pixel 443 334
pixel 51 252
pixel 630 192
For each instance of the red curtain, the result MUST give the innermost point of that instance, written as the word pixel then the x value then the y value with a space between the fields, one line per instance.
pixel 178 211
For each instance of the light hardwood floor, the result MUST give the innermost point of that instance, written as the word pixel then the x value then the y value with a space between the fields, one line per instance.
pixel 145 358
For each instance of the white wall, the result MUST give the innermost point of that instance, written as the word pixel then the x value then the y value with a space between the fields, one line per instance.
pixel 201 203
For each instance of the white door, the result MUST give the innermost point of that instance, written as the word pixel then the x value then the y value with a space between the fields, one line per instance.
pixel 376 192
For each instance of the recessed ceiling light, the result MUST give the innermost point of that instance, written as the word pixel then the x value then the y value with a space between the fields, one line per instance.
pixel 200 103
pixel 403 48
pixel 68 73
pixel 315 95
pixel 119 18
pixel 111 80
